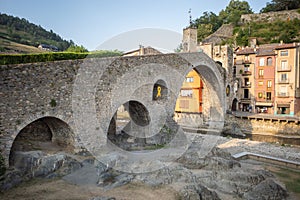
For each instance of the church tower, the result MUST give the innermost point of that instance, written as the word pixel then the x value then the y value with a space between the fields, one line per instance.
pixel 189 41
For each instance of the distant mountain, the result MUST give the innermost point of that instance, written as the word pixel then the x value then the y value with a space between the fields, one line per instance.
pixel 19 35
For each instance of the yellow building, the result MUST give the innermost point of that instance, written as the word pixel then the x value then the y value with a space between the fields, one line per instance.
pixel 190 97
pixel 287 77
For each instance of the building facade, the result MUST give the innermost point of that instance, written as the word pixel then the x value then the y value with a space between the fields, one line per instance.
pixel 244 73
pixel 190 99
pixel 264 80
pixel 287 86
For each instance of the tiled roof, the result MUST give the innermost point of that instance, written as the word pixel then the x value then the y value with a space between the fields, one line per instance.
pixel 287 46
pixel 245 51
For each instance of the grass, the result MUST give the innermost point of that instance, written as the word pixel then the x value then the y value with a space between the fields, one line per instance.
pixel 291 178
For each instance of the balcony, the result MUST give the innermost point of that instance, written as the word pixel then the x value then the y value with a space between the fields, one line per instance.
pixel 283 94
pixel 248 85
pixel 284 69
pixel 283 81
pixel 246 73
pixel 246 61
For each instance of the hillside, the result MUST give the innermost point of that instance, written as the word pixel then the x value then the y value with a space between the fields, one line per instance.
pixel 20 36
pixel 270 27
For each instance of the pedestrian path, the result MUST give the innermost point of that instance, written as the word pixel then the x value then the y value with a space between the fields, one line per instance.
pixel 268 159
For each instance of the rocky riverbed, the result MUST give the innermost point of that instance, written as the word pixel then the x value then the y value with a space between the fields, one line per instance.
pixel 206 170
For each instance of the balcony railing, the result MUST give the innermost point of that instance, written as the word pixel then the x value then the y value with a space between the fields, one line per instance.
pixel 246 73
pixel 246 61
pixel 248 85
pixel 283 81
pixel 284 69
pixel 282 94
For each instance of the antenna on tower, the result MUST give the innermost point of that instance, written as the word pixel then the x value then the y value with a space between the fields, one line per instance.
pixel 190 15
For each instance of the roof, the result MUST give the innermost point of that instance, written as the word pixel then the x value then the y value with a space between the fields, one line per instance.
pixel 245 51
pixel 266 51
pixel 288 46
pixel 146 51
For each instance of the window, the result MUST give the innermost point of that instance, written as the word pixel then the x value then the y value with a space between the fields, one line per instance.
pixel 283 91
pixel 247 59
pixel 189 79
pixel 260 95
pixel 284 64
pixel 261 62
pixel 246 82
pixel 269 61
pixel 246 68
pixel 261 73
pixel 260 83
pixel 269 84
pixel 246 93
pixel 186 93
pixel 234 71
pixel 284 53
pixel 284 77
pixel 269 96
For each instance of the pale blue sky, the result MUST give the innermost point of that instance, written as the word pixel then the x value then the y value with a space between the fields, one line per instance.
pixel 92 22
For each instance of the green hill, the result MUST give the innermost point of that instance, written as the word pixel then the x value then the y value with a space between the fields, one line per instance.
pixel 21 36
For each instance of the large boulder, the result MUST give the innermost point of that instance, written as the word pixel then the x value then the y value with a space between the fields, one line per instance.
pixel 267 189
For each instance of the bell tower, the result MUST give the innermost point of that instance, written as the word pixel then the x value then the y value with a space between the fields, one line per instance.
pixel 189 41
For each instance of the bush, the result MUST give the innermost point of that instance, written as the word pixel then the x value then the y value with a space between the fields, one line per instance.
pixel 45 57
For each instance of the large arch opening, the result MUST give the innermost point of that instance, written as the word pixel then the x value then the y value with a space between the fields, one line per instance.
pixel 127 125
pixel 47 134
pixel 189 109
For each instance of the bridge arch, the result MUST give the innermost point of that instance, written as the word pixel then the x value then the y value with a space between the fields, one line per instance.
pixel 213 79
pixel 47 133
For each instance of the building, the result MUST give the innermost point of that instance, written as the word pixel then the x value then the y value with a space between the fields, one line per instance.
pixel 243 73
pixel 287 85
pixel 46 47
pixel 190 97
pixel 221 54
pixel 142 51
pixel 264 80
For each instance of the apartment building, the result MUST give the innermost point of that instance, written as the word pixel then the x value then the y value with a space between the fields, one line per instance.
pixel 287 85
pixel 243 73
pixel 264 80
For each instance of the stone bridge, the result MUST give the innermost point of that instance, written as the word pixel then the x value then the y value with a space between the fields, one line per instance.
pixel 76 100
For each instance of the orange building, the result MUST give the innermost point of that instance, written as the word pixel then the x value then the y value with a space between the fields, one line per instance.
pixel 190 97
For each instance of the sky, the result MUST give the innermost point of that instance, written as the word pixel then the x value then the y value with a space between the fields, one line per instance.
pixel 104 23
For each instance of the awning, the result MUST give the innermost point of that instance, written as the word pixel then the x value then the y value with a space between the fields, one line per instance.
pixel 283 105
pixel 263 104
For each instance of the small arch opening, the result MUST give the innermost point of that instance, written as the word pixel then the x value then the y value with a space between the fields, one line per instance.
pixel 160 90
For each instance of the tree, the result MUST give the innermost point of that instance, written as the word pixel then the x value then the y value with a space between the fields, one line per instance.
pixel 234 10
pixel 209 18
pixel 77 49
pixel 279 5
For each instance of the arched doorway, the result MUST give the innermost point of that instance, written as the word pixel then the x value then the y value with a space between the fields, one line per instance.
pixel 47 134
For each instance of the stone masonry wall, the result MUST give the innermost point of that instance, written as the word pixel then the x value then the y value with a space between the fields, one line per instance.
pixel 66 89
pixel 260 126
